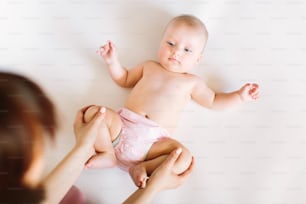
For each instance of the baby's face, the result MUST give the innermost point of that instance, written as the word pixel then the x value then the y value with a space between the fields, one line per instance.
pixel 181 48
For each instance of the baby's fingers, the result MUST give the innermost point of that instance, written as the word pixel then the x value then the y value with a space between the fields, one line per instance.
pixel 254 89
pixel 111 45
pixel 255 95
pixel 256 86
pixel 103 49
pixel 100 50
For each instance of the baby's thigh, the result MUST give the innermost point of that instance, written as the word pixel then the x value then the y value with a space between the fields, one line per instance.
pixel 165 146
pixel 111 120
pixel 108 131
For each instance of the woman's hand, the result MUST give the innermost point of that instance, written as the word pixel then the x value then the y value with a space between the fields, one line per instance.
pixel 164 177
pixel 86 133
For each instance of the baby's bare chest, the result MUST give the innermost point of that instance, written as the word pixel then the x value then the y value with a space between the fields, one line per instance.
pixel 165 84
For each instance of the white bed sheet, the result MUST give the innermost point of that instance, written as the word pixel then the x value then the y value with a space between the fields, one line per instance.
pixel 252 154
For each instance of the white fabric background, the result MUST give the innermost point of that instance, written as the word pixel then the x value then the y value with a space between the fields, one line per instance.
pixel 252 154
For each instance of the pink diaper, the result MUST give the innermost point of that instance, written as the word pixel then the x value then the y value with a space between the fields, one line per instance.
pixel 136 138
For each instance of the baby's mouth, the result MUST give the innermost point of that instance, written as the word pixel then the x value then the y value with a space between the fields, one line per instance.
pixel 172 59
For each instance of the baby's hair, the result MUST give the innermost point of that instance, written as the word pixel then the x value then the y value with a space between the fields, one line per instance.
pixel 191 21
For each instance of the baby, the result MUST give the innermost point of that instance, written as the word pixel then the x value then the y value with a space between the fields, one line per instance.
pixel 140 132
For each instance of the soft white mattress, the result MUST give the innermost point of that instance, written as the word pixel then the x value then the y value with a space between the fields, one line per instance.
pixel 252 154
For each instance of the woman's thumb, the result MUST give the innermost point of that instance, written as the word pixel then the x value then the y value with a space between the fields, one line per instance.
pixel 171 159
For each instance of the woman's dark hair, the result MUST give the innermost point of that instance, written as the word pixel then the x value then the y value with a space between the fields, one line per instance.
pixel 26 115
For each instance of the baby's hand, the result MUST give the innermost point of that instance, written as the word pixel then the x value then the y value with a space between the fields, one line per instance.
pixel 108 53
pixel 249 92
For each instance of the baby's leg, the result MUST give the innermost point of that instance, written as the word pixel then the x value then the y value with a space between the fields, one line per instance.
pixel 108 131
pixel 165 147
pixel 157 154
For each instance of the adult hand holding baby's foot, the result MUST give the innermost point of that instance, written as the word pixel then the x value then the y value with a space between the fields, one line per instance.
pixel 249 92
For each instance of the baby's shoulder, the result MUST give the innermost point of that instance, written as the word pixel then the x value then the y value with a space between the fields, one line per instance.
pixel 150 63
pixel 195 80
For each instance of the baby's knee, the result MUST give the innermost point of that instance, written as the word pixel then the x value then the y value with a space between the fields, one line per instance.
pixel 90 113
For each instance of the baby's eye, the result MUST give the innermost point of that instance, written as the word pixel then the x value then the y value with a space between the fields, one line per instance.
pixel 170 43
pixel 187 50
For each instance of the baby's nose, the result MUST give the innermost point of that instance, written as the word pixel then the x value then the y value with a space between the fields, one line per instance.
pixel 177 52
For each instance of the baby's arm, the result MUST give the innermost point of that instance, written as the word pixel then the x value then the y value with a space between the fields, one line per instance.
pixel 247 92
pixel 122 76
pixel 206 97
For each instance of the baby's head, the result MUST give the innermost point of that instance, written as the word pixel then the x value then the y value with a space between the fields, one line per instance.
pixel 182 44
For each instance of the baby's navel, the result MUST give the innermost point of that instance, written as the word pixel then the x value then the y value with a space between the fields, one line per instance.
pixel 145 115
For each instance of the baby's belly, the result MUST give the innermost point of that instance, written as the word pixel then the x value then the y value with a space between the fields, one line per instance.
pixel 166 118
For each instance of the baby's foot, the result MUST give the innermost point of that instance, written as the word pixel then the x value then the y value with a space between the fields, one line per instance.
pixel 139 175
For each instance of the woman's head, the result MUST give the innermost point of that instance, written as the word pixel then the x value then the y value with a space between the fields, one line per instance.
pixel 26 115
